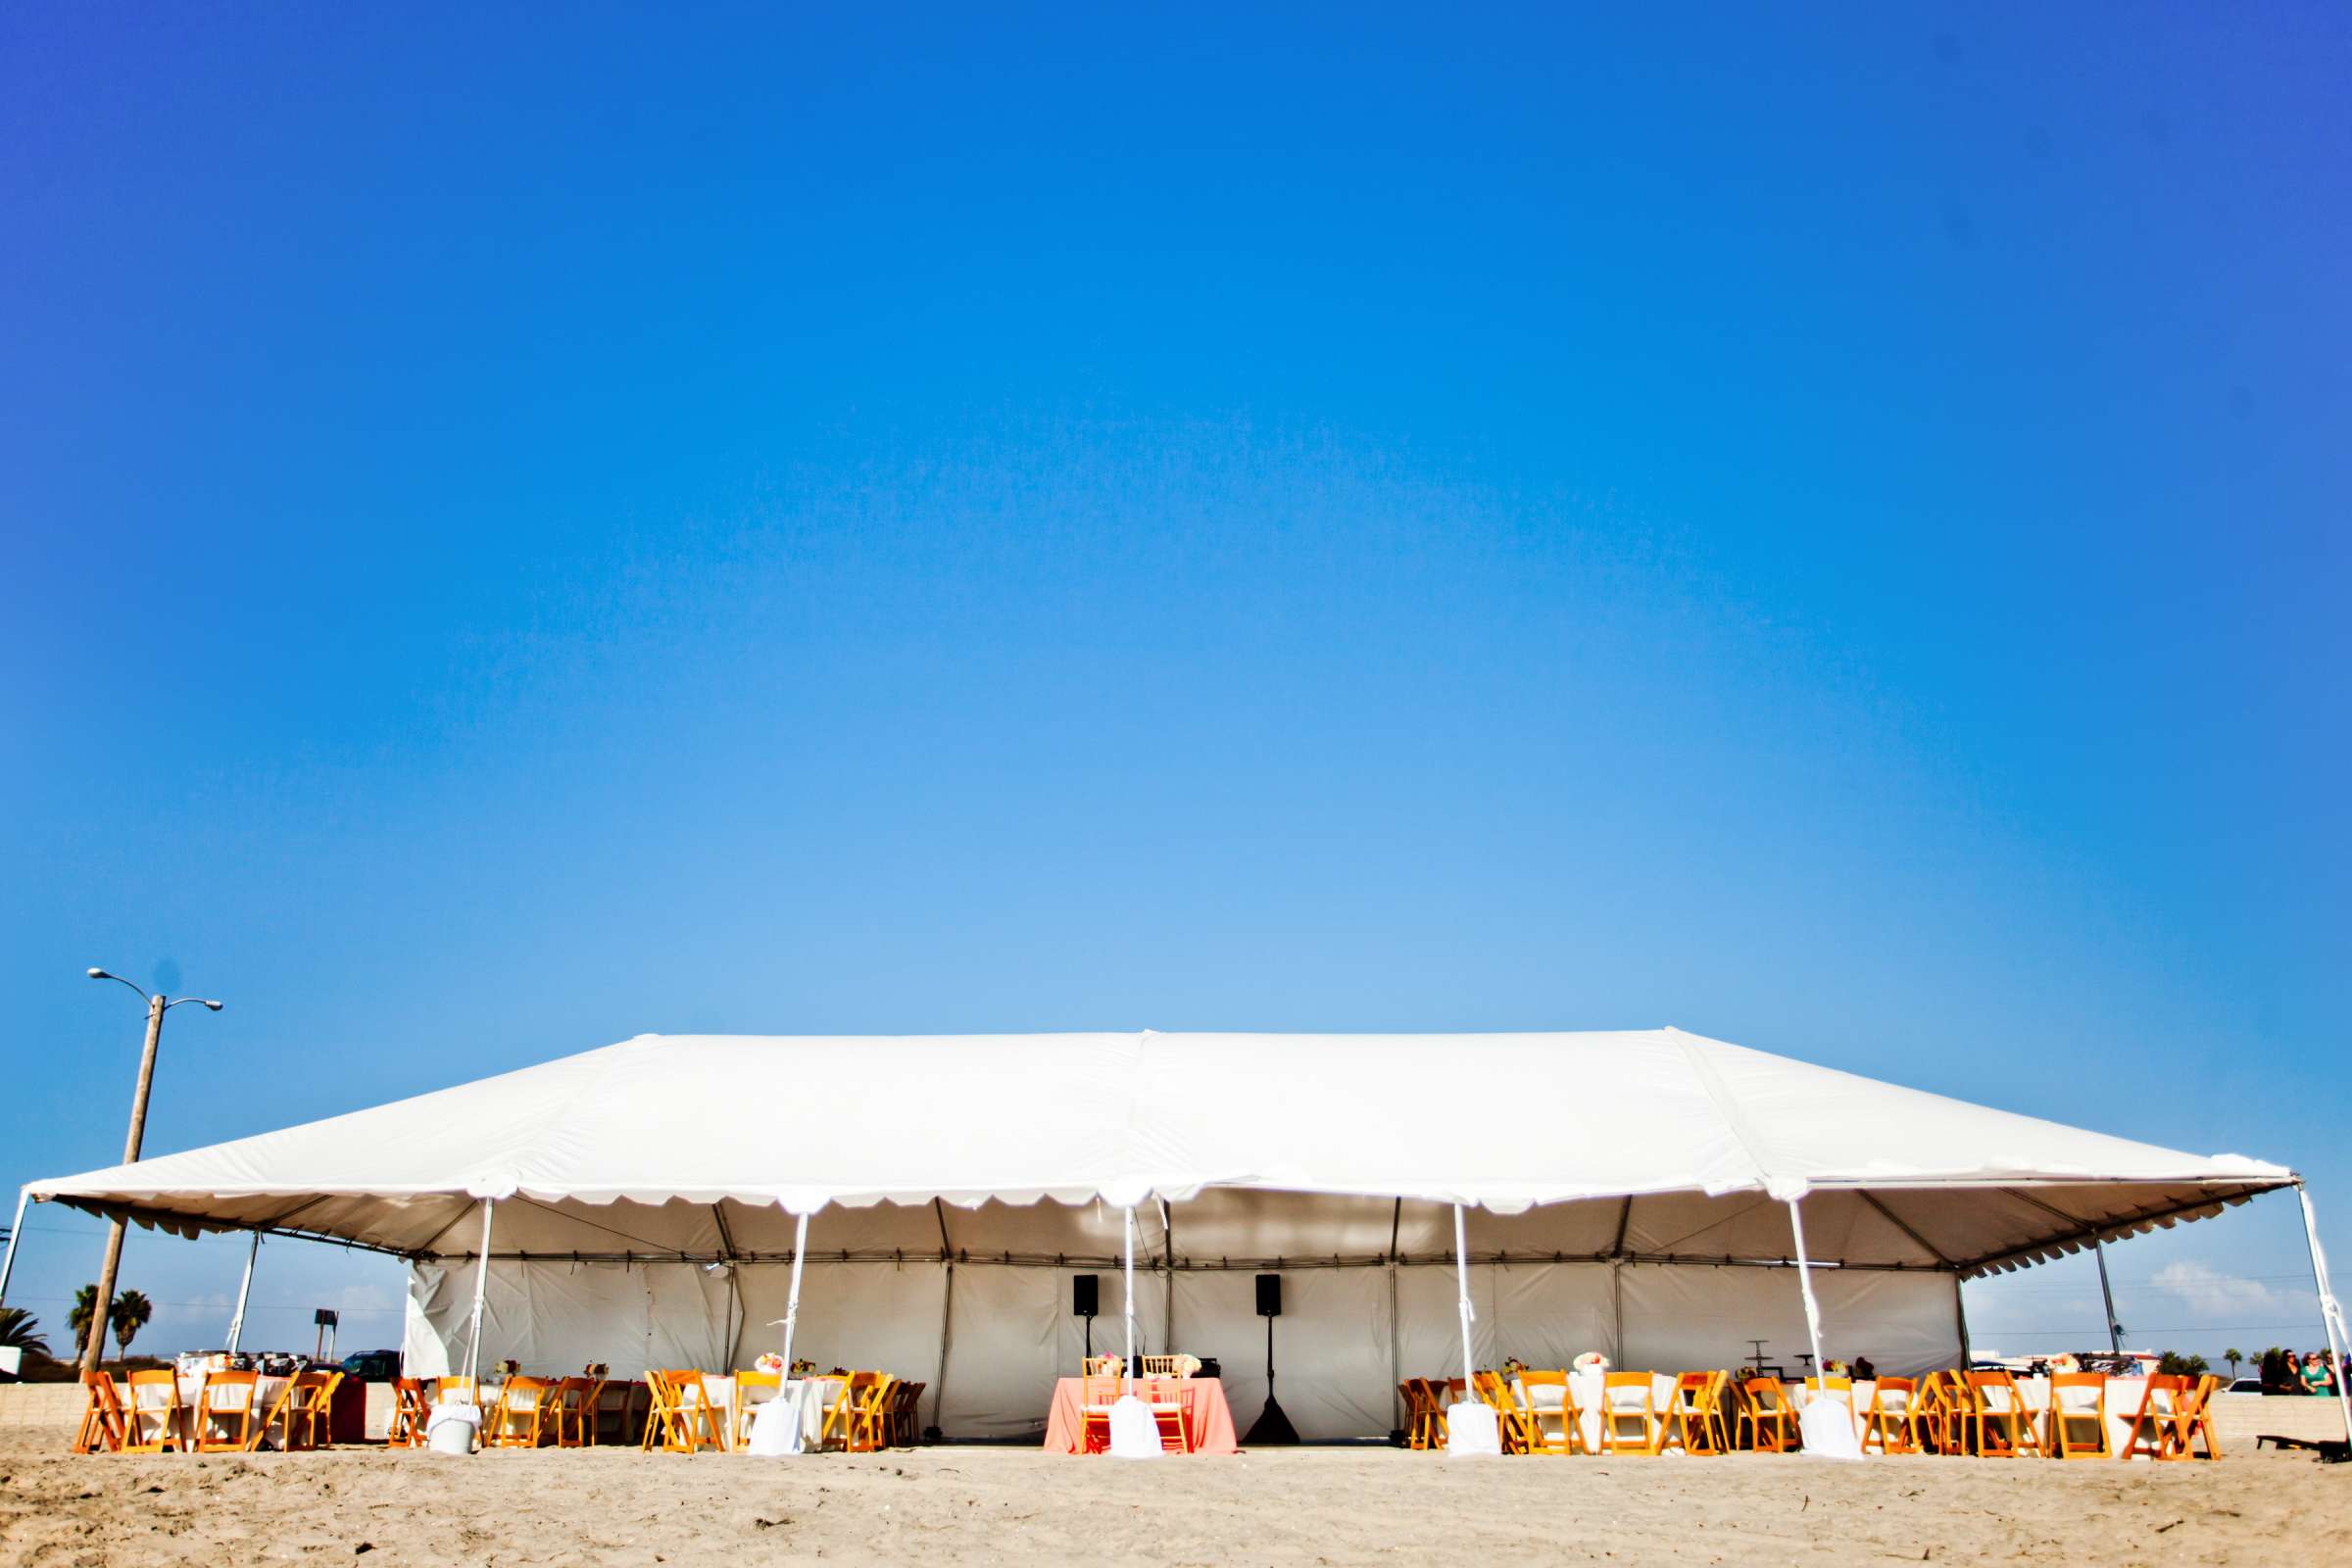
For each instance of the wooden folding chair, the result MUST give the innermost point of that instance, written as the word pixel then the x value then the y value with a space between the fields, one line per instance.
pixel 1890 1418
pixel 1694 1415
pixel 1421 1415
pixel 1765 1421
pixel 280 1417
pixel 103 1423
pixel 520 1418
pixel 2000 1423
pixel 2078 1415
pixel 1158 1366
pixel 1935 1417
pixel 411 1415
pixel 1094 1366
pixel 1514 1423
pixel 1627 1396
pixel 456 1390
pixel 906 1412
pixel 2191 1418
pixel 1570 1438
pixel 743 1407
pixel 570 1411
pixel 2153 1426
pixel 154 1421
pixel 306 1411
pixel 683 1418
pixel 228 1418
pixel 1098 1391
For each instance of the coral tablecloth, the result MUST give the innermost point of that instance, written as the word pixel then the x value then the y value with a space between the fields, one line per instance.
pixel 1207 1418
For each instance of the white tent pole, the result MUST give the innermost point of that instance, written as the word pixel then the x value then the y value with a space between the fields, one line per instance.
pixel 236 1324
pixel 1462 1278
pixel 8 1263
pixel 1129 1370
pixel 2331 1313
pixel 792 1301
pixel 481 1287
pixel 1804 1283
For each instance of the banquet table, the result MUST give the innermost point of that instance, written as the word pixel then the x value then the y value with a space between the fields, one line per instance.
pixel 1207 1418
pixel 2123 1403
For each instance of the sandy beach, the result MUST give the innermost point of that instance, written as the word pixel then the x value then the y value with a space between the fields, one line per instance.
pixel 950 1505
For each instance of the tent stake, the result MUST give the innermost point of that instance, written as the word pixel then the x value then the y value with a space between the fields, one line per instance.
pixel 1804 1280
pixel 481 1286
pixel 8 1263
pixel 236 1324
pixel 2331 1314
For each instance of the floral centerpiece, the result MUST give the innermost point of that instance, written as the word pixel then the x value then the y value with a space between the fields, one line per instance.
pixel 1591 1361
pixel 802 1366
pixel 511 1367
pixel 1512 1365
pixel 770 1363
pixel 598 1369
pixel 1187 1365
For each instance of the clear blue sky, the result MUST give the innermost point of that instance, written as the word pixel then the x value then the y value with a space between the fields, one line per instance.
pixel 1826 528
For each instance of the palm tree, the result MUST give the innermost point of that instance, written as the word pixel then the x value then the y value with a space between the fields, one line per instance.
pixel 85 1309
pixel 17 1329
pixel 131 1313
pixel 2234 1358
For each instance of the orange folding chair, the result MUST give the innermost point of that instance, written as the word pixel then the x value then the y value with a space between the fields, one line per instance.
pixel 1890 1419
pixel 1694 1415
pixel 683 1418
pixel 2078 1415
pixel 227 1412
pixel 278 1418
pixel 154 1420
pixel 411 1415
pixel 103 1423
pixel 744 1407
pixel 2155 1424
pixel 1627 1396
pixel 1098 1391
pixel 2000 1422
pixel 2190 1419
pixel 1765 1423
pixel 1516 1424
pixel 1541 1411
pixel 519 1419
pixel 308 1405
pixel 908 1414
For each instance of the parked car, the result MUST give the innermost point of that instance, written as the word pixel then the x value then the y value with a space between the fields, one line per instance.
pixel 2245 1386
pixel 371 1366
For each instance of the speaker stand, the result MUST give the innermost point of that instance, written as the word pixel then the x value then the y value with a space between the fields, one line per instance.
pixel 1273 1429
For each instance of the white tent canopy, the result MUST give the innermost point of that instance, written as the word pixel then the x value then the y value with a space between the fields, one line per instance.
pixel 1611 1176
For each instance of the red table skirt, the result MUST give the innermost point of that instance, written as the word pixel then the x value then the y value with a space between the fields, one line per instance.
pixel 1207 1418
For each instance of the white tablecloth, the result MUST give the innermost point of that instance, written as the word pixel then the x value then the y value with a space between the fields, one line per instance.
pixel 2123 1403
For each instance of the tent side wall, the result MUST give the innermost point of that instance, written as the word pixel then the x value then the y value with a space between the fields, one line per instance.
pixel 989 1338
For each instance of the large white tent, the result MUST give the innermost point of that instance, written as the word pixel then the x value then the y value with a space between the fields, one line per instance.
pixel 1627 1192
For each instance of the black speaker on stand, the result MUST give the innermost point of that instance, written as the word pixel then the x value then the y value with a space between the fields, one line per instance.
pixel 1086 1300
pixel 1273 1428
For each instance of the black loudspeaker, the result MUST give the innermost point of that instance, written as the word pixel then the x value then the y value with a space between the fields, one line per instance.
pixel 1086 1294
pixel 1269 1296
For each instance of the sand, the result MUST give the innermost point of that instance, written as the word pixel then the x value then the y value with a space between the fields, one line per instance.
pixel 954 1505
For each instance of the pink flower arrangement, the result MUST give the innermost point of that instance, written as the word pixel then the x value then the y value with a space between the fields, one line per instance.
pixel 770 1363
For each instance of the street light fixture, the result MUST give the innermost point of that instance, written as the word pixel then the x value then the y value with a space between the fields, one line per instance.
pixel 157 1006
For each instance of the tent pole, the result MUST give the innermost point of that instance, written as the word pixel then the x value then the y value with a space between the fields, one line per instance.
pixel 1617 1311
pixel 8 1261
pixel 1804 1281
pixel 792 1301
pixel 1461 1280
pixel 1128 1371
pixel 236 1324
pixel 1960 1313
pixel 481 1286
pixel 2331 1314
pixel 1167 1265
pixel 2115 1330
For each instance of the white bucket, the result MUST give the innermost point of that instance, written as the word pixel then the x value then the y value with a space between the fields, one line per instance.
pixel 452 1427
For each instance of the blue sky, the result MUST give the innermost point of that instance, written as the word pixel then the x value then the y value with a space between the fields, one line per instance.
pixel 1822 527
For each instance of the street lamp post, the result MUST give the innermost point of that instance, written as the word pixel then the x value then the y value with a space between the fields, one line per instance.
pixel 157 1006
